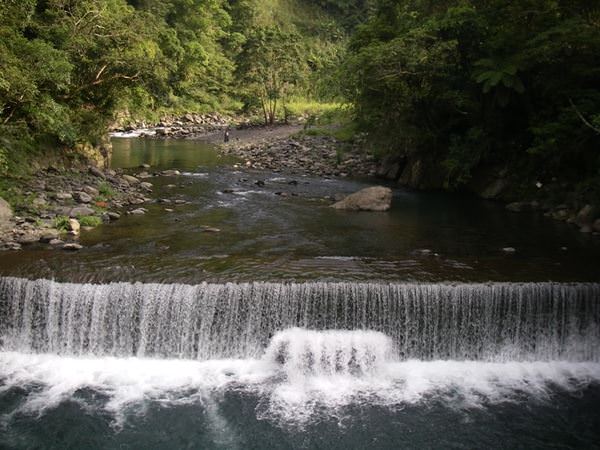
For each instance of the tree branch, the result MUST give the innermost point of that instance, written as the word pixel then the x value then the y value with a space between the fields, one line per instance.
pixel 583 119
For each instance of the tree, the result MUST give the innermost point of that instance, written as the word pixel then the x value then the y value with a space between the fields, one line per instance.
pixel 269 66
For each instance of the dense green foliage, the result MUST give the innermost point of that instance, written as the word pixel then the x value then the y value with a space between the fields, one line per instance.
pixel 68 66
pixel 487 83
pixel 505 87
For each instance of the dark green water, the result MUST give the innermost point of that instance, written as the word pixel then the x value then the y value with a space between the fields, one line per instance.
pixel 264 236
pixel 72 374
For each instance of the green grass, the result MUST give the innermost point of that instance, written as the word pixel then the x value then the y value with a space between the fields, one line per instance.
pixel 90 221
pixel 106 190
pixel 61 223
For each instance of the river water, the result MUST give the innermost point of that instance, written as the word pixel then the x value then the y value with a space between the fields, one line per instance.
pixel 298 326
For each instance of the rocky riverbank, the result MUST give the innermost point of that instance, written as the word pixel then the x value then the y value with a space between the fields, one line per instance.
pixel 302 154
pixel 180 127
pixel 52 207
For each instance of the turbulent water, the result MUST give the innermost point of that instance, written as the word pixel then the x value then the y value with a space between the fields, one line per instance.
pixel 252 362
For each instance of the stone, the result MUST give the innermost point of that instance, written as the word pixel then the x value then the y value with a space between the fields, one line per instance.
pixel 207 229
pixel 519 206
pixel 144 166
pixel 509 250
pixel 6 214
pixel 146 186
pixel 97 172
pixel 81 211
pixel 10 245
pixel 131 179
pixel 28 238
pixel 90 190
pixel 113 215
pixel 72 246
pixel 74 226
pixel 82 197
pixel 63 196
pixel 376 198
pixel 587 215
pixel 48 236
pixel 586 229
pixel 494 189
pixel 55 242
pixel 138 212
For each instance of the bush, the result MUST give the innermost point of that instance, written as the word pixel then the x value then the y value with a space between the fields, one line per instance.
pixel 90 221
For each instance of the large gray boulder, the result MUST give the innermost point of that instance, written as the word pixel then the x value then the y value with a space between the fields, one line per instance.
pixel 6 213
pixel 376 198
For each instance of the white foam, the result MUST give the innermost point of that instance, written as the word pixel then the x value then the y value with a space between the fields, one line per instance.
pixel 291 399
pixel 134 133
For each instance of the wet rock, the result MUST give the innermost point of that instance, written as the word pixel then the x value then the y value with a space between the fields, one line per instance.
pixel 170 173
pixel 72 246
pixel 81 211
pixel 146 186
pixel 82 197
pixel 113 215
pixel 48 236
pixel 259 183
pixel 207 229
pixel 376 198
pixel 27 238
pixel 138 212
pixel 10 245
pixel 55 242
pixel 131 179
pixel 145 166
pixel 509 250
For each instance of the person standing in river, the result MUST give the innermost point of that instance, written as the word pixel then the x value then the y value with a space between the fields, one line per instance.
pixel 226 135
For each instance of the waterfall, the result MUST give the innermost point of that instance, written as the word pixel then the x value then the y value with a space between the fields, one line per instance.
pixel 323 353
pixel 486 322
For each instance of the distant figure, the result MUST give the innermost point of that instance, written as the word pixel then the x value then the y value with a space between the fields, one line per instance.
pixel 226 135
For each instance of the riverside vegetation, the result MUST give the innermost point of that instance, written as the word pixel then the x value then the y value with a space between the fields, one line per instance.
pixel 496 98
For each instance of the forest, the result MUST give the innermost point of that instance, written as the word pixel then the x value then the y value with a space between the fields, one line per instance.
pixel 464 86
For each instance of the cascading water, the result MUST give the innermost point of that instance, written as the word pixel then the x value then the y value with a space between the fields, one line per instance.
pixel 301 352
pixel 485 322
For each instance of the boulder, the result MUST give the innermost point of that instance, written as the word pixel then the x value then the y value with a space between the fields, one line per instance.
pixel 74 226
pixel 48 236
pixel 81 211
pixel 376 198
pixel 6 213
pixel 82 197
pixel 131 179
